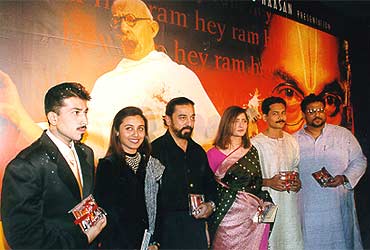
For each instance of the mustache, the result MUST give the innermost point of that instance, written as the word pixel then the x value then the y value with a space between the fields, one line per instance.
pixel 187 127
pixel 280 121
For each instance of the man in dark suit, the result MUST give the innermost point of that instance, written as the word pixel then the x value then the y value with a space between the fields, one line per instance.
pixel 51 176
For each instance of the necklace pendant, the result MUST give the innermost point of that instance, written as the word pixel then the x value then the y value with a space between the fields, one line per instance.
pixel 133 161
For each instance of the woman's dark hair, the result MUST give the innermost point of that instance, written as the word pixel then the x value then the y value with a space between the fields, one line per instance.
pixel 225 127
pixel 115 147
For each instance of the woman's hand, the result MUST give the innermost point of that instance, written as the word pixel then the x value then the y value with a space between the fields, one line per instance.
pixel 205 210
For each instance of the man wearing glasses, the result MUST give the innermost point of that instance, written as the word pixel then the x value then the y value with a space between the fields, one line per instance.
pixel 329 214
pixel 145 78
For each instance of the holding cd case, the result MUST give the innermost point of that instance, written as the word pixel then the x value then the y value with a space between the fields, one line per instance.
pixel 323 177
pixel 87 213
pixel 194 201
pixel 265 213
pixel 289 177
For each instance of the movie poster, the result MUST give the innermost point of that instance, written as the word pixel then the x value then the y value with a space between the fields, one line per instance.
pixel 217 53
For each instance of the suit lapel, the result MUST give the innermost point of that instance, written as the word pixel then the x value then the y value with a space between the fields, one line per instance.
pixel 64 171
pixel 86 168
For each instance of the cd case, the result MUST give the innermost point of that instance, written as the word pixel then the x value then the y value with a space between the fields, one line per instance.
pixel 266 213
pixel 87 213
pixel 323 177
pixel 289 177
pixel 194 201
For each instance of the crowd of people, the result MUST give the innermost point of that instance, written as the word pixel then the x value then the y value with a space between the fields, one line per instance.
pixel 148 189
pixel 170 193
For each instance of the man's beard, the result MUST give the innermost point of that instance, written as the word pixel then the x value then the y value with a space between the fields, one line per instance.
pixel 317 125
pixel 183 135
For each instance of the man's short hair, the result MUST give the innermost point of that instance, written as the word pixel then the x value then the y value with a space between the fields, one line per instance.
pixel 170 107
pixel 269 101
pixel 54 98
pixel 310 99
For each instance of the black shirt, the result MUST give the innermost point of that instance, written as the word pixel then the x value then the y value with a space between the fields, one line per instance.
pixel 185 173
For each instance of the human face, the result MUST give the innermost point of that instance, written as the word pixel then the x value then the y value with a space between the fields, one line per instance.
pixel 315 115
pixel 240 125
pixel 132 133
pixel 276 117
pixel 303 60
pixel 137 39
pixel 71 120
pixel 181 123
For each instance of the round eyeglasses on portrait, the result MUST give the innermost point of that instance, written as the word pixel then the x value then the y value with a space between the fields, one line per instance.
pixel 129 19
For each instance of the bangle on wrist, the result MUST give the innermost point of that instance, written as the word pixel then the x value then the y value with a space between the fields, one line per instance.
pixel 213 205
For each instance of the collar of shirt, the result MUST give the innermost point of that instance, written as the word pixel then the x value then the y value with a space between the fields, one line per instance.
pixel 173 144
pixel 63 148
pixel 303 131
pixel 154 56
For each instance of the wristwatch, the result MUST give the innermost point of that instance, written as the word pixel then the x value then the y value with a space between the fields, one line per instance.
pixel 345 180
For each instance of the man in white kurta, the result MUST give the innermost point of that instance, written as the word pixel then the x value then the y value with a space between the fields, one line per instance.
pixel 279 151
pixel 329 217
pixel 147 79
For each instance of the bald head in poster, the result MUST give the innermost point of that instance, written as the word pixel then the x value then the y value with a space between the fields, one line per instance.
pixel 300 60
pixel 145 78
pixel 134 27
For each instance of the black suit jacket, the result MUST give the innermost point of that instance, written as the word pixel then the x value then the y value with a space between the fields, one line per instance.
pixel 39 189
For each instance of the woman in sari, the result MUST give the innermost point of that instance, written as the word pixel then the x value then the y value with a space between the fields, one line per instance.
pixel 235 163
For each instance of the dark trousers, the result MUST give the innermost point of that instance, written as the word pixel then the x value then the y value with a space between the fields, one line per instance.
pixel 179 230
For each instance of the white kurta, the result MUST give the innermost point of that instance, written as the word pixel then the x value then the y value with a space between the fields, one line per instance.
pixel 329 217
pixel 281 155
pixel 148 84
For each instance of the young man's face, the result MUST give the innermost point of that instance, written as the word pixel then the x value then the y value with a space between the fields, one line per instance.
pixel 276 117
pixel 71 120
pixel 181 123
pixel 137 36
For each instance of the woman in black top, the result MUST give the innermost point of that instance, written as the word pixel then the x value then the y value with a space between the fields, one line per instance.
pixel 127 183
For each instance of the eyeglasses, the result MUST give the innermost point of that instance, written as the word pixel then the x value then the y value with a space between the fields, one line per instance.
pixel 315 110
pixel 130 20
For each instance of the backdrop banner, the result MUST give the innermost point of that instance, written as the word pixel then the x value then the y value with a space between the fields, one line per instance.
pixel 217 53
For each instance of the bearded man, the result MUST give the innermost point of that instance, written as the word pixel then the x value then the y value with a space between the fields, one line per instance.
pixel 187 173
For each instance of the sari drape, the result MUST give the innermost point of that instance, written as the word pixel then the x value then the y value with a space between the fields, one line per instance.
pixel 239 195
